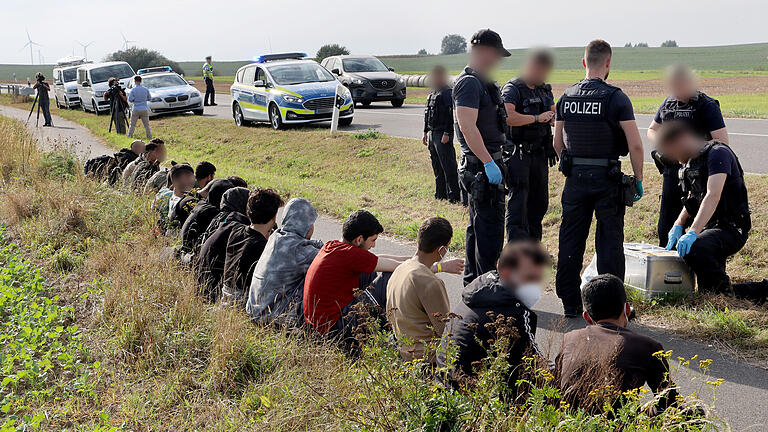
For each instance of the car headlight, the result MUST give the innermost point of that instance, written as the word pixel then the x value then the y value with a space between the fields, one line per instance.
pixel 400 80
pixel 72 91
pixel 357 81
pixel 99 93
pixel 194 95
pixel 293 99
pixel 347 94
pixel 156 99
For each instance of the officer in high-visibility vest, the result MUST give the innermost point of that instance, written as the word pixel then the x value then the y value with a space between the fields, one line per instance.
pixel 208 76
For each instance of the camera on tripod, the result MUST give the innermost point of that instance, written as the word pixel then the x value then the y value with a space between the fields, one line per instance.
pixel 117 106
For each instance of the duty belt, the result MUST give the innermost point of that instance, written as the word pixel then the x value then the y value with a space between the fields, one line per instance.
pixel 600 162
pixel 474 159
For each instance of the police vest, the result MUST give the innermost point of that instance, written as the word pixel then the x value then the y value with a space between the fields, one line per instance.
pixel 673 109
pixel 433 116
pixel 207 70
pixel 532 102
pixel 732 210
pixel 491 118
pixel 589 133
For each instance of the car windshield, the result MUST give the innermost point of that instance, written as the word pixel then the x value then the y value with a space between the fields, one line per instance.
pixel 103 74
pixel 297 73
pixel 69 75
pixel 365 64
pixel 153 82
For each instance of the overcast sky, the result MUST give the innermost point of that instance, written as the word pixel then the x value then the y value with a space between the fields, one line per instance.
pixel 241 29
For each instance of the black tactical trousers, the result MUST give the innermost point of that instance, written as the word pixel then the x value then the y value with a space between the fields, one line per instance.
pixel 708 254
pixel 671 203
pixel 443 157
pixel 210 91
pixel 588 190
pixel 485 230
pixel 528 198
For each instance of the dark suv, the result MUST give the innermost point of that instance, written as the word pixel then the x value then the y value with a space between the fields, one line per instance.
pixel 367 78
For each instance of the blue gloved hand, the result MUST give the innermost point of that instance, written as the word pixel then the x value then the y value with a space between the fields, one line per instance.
pixel 493 172
pixel 638 190
pixel 674 235
pixel 685 243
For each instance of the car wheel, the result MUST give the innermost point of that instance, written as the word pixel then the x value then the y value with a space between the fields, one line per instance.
pixel 95 108
pixel 345 121
pixel 58 105
pixel 237 113
pixel 365 103
pixel 198 112
pixel 274 117
pixel 397 103
pixel 82 106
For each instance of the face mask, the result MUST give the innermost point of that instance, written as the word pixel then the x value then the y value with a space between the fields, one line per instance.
pixel 529 294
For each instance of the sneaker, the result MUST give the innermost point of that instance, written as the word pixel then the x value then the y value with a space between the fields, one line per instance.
pixel 214 104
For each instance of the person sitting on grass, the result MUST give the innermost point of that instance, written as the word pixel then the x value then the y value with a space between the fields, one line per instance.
pixel 137 147
pixel 277 283
pixel 182 179
pixel 205 172
pixel 148 165
pixel 495 304
pixel 607 353
pixel 203 213
pixel 417 303
pixel 246 244
pixel 209 263
pixel 345 265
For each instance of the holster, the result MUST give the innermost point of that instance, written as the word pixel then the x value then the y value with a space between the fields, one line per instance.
pixel 628 187
pixel 566 163
pixel 658 159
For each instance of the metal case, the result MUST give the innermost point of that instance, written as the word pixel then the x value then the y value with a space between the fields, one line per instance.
pixel 654 271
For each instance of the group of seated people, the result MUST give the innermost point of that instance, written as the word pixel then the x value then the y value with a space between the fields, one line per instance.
pixel 279 275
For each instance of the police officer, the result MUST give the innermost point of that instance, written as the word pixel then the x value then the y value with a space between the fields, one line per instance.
pixel 438 136
pixel 529 153
pixel 208 76
pixel 594 126
pixel 480 125
pixel 702 113
pixel 716 205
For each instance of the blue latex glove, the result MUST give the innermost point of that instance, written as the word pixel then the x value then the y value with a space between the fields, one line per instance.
pixel 674 235
pixel 685 243
pixel 638 190
pixel 493 172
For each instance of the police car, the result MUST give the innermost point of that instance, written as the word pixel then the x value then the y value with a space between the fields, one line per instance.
pixel 171 93
pixel 285 89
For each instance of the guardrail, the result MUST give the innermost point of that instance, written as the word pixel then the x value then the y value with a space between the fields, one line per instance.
pixel 17 90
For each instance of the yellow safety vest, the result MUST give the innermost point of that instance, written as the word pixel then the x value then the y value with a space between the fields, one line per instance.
pixel 208 70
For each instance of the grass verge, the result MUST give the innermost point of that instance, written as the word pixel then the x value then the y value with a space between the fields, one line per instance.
pixel 152 356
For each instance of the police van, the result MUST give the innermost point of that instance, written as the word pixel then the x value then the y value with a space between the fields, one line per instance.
pixel 285 89
pixel 92 83
pixel 65 82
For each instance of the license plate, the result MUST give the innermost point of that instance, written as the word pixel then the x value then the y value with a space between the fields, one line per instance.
pixel 385 93
pixel 176 104
pixel 324 110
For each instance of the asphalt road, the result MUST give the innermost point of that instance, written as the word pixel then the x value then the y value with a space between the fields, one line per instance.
pixel 748 136
pixel 740 399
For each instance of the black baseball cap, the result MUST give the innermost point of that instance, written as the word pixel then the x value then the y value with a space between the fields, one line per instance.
pixel 490 38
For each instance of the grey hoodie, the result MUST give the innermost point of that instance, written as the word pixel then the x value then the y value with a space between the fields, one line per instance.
pixel 277 286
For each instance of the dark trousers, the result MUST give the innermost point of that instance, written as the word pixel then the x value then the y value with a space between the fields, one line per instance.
pixel 376 285
pixel 589 190
pixel 45 107
pixel 708 254
pixel 209 91
pixel 485 230
pixel 119 121
pixel 443 157
pixel 671 203
pixel 528 198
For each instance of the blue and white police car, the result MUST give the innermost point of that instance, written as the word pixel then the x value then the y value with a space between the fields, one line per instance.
pixel 171 93
pixel 285 89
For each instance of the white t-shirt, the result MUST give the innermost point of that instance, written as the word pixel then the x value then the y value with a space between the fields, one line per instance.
pixel 172 204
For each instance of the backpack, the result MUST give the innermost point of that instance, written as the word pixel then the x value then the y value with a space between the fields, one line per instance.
pixel 99 167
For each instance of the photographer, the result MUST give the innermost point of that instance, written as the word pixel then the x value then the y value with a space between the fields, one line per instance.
pixel 118 103
pixel 43 88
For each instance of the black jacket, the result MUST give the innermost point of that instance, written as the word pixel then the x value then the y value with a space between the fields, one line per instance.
pixel 487 295
pixel 210 262
pixel 244 249
pixel 195 225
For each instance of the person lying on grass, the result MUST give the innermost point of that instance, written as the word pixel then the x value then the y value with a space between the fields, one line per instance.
pixel 343 266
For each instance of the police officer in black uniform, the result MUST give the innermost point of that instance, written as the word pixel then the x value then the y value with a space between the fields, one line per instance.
pixel 529 153
pixel 438 136
pixel 480 124
pixel 594 126
pixel 716 205
pixel 702 113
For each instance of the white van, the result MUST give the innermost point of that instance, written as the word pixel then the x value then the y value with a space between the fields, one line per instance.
pixel 65 87
pixel 92 82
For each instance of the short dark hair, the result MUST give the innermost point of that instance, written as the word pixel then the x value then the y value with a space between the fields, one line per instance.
pixel 433 233
pixel 178 169
pixel 207 57
pixel 238 181
pixel 514 250
pixel 604 297
pixel 137 78
pixel 671 131
pixel 204 169
pixel 360 223
pixel 263 204
pixel 542 57
pixel 597 52
pixel 153 144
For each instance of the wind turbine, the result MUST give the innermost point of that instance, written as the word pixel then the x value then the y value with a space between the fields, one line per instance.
pixel 85 48
pixel 31 45
pixel 126 42
pixel 40 57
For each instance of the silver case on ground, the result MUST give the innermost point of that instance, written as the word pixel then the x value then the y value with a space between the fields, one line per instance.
pixel 654 271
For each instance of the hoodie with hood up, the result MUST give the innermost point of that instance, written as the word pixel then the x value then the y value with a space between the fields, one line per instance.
pixel 202 215
pixel 277 285
pixel 470 332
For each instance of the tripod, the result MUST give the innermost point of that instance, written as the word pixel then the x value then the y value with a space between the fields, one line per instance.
pixel 115 107
pixel 37 121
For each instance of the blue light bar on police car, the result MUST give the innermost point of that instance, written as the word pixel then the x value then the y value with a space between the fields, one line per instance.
pixel 285 56
pixel 154 69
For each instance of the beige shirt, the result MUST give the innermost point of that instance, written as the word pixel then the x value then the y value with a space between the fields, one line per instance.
pixel 417 304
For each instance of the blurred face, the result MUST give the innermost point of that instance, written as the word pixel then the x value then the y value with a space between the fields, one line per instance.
pixel 527 272
pixel 681 149
pixel 157 155
pixel 366 243
pixel 681 88
pixel 438 80
pixel 484 58
pixel 536 73
pixel 183 182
